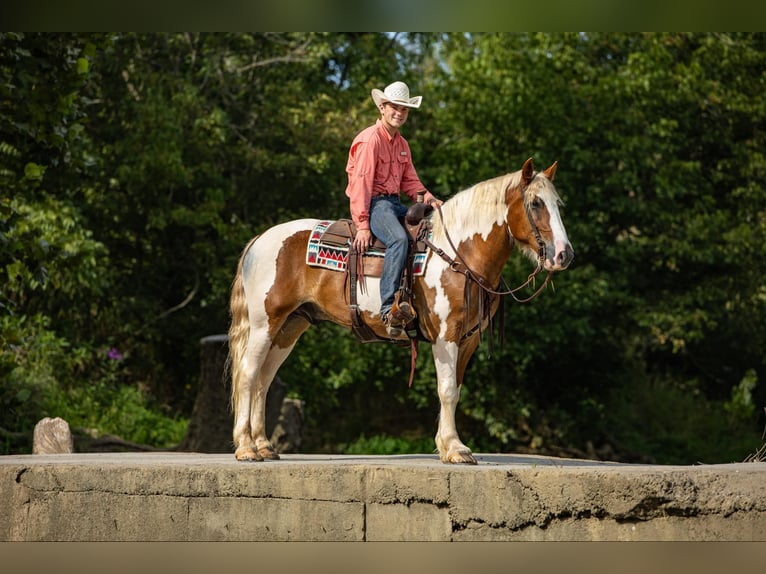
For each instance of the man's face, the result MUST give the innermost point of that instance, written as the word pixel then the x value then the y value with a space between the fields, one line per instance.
pixel 394 116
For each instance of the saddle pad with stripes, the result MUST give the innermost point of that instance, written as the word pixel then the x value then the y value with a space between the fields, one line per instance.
pixel 335 257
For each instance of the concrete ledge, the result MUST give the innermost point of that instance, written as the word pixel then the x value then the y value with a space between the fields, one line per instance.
pixel 204 497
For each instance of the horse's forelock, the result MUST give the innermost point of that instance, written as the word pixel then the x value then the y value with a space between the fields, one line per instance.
pixel 543 188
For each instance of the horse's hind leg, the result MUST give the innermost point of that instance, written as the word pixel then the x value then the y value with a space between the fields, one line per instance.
pixel 245 392
pixel 257 444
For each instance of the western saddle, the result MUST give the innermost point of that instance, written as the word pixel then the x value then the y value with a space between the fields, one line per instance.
pixel 342 233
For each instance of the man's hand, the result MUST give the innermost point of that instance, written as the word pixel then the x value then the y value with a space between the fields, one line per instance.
pixel 362 240
pixel 433 202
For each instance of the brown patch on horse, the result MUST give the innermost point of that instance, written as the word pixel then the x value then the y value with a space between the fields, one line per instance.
pixel 518 221
pixel 423 298
pixel 542 219
pixel 293 327
pixel 454 285
pixel 289 315
pixel 322 285
pixel 473 254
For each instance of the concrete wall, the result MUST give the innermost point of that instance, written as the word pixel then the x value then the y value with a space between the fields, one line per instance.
pixel 196 497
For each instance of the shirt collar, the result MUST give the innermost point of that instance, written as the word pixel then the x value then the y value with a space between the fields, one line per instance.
pixel 384 131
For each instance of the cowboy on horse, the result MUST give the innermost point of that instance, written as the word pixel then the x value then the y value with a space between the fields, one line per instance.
pixel 289 278
pixel 379 168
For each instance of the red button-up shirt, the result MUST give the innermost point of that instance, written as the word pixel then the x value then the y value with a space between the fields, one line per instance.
pixel 379 164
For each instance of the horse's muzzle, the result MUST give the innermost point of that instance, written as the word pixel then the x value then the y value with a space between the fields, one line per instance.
pixel 562 258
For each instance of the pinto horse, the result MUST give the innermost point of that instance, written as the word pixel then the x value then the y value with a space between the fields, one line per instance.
pixel 276 296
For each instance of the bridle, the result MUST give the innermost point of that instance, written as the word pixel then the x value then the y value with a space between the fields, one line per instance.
pixel 459 265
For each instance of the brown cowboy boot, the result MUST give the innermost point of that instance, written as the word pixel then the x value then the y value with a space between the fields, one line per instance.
pixel 393 327
pixel 402 312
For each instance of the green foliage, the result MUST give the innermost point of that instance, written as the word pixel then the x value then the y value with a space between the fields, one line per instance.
pixel 135 167
pixel 52 260
pixel 44 375
pixel 30 357
pixel 123 411
pixel 740 406
pixel 654 135
pixel 672 424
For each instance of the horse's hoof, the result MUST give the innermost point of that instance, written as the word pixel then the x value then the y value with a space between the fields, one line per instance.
pixel 460 458
pixel 247 454
pixel 268 452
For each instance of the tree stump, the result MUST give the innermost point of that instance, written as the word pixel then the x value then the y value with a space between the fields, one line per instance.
pixel 211 422
pixel 52 436
pixel 286 436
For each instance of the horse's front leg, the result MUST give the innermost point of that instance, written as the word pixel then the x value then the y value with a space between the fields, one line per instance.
pixel 448 372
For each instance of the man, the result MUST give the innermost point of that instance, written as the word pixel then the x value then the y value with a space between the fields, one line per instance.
pixel 379 169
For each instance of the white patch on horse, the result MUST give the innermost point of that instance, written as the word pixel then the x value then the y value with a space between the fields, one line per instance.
pixel 369 300
pixel 560 238
pixel 544 190
pixel 441 305
pixel 445 358
pixel 259 269
pixel 445 355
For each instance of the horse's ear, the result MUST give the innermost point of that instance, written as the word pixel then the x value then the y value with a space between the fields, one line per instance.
pixel 527 172
pixel 551 171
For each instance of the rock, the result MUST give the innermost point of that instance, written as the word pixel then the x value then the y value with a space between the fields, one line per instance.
pixel 52 436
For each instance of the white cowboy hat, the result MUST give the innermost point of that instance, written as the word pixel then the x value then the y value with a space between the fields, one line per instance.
pixel 397 93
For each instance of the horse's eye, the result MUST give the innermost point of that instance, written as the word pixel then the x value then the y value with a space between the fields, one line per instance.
pixel 536 203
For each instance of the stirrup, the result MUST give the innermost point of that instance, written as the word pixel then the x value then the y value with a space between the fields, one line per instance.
pixel 393 327
pixel 402 311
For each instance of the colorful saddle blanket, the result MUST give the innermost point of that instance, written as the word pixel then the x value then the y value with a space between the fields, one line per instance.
pixel 329 254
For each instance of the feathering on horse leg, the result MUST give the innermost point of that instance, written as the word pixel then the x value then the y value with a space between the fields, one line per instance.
pixel 244 393
pixel 261 444
pixel 451 448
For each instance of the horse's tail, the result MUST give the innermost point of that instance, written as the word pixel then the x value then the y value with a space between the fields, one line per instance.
pixel 239 328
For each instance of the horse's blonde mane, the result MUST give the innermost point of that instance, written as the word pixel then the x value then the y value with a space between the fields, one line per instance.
pixel 472 209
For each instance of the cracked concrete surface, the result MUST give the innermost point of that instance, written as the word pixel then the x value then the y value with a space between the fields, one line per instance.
pixel 204 497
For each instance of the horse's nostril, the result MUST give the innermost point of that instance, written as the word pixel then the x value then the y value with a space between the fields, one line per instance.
pixel 565 256
pixel 569 255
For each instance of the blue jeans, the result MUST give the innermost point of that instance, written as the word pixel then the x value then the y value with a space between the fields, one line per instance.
pixel 385 212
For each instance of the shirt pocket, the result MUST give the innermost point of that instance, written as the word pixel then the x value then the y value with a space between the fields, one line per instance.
pixel 383 169
pixel 402 164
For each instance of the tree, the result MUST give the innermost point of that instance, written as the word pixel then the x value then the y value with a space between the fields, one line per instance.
pixel 135 167
pixel 52 265
pixel 659 147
